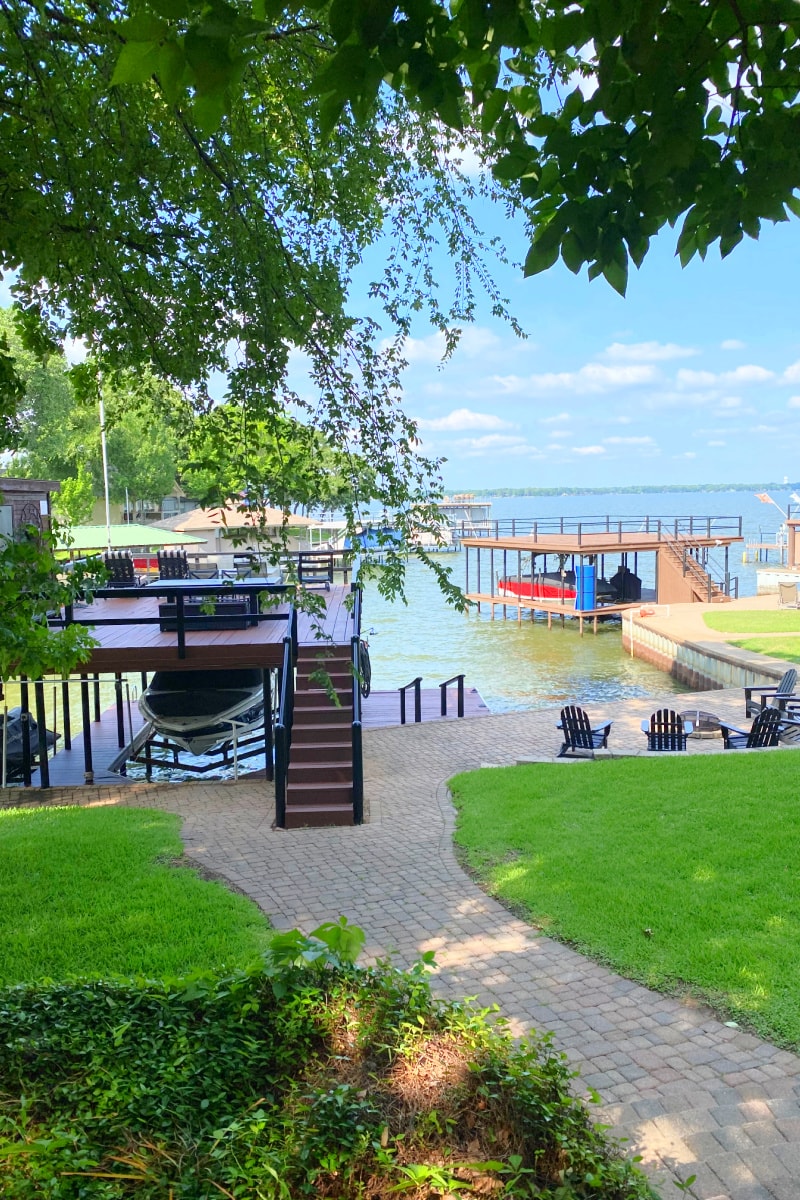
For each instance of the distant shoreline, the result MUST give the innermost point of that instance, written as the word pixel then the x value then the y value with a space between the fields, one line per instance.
pixel 643 489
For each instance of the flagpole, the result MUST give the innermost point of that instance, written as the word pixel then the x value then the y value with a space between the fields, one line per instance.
pixel 105 471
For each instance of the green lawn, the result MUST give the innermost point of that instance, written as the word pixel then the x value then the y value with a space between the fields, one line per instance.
pixel 756 621
pixel 89 891
pixel 679 872
pixel 775 647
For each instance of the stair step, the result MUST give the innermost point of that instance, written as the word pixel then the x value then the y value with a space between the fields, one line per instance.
pixel 320 770
pixel 320 793
pixel 330 752
pixel 301 817
pixel 317 697
pixel 320 734
pixel 322 714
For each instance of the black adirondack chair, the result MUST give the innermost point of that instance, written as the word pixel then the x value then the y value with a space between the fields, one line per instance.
pixel 578 732
pixel 764 732
pixel 775 696
pixel 173 564
pixel 666 730
pixel 119 565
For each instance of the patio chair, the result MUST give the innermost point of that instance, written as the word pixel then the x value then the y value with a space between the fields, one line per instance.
pixel 764 732
pixel 777 696
pixel 173 564
pixel 666 730
pixel 787 595
pixel 578 732
pixel 119 565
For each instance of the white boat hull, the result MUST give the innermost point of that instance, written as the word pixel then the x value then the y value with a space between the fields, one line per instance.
pixel 201 711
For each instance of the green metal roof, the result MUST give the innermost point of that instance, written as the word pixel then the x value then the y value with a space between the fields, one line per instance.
pixel 124 537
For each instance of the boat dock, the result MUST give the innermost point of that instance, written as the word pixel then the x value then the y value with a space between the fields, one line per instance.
pixel 573 579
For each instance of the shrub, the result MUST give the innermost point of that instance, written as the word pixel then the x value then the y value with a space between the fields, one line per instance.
pixel 304 1076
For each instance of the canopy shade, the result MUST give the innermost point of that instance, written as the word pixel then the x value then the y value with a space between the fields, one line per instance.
pixel 83 538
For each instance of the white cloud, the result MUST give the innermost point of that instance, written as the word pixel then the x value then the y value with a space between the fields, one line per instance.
pixel 492 441
pixel 793 402
pixel 593 377
pixel 765 429
pixel 732 344
pixel 461 419
pixel 750 373
pixel 475 341
pixel 556 420
pixel 792 373
pixel 716 443
pixel 588 449
pixel 648 351
pixel 628 441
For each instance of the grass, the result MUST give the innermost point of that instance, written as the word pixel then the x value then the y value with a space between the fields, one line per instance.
pixel 91 892
pixel 787 649
pixel 754 621
pixel 680 873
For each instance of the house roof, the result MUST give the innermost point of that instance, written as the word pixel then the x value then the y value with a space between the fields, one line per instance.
pixel 230 517
pixel 123 537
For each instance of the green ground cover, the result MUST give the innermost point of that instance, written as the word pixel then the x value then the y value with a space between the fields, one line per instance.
pixel 91 891
pixel 304 1076
pixel 787 649
pixel 753 621
pixel 680 872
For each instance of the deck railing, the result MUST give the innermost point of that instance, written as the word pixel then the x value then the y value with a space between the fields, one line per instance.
pixel 284 720
pixel 358 753
pixel 586 528
pixel 210 590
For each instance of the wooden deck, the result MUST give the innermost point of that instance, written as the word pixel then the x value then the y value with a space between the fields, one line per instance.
pixel 554 608
pixel 131 645
pixel 624 541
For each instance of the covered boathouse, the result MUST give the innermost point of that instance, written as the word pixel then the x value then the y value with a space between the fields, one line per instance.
pixel 588 568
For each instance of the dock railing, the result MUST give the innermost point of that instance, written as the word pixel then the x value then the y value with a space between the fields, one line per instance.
pixel 459 680
pixel 416 684
pixel 586 528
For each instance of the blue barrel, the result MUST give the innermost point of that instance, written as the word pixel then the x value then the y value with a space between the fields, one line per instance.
pixel 585 587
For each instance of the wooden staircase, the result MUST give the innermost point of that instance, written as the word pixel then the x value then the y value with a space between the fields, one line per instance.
pixel 319 787
pixel 700 583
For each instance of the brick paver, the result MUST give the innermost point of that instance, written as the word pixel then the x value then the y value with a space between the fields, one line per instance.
pixel 693 1095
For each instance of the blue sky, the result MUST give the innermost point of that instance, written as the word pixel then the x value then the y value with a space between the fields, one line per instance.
pixel 694 377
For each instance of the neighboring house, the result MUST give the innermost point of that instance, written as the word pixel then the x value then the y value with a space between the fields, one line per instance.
pixel 25 502
pixel 173 505
pixel 227 531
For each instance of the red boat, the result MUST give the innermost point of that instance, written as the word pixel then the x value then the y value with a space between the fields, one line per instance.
pixel 543 586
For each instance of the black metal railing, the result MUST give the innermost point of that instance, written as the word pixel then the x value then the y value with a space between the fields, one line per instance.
pixel 284 719
pixel 358 752
pixel 416 684
pixel 179 620
pixel 459 680
pixel 586 528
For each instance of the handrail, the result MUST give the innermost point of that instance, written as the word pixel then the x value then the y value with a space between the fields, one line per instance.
pixel 459 679
pixel 358 755
pixel 415 684
pixel 285 718
pixel 208 589
pixel 586 527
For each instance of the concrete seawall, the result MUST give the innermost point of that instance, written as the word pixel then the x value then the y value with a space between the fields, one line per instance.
pixel 676 639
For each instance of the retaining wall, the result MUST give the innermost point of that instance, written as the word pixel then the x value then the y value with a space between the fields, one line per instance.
pixel 701 666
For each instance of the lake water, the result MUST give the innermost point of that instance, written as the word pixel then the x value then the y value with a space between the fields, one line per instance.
pixel 528 666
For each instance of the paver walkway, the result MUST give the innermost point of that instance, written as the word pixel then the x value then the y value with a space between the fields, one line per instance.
pixel 694 1096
